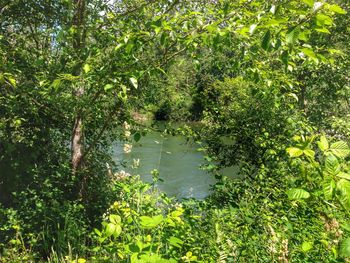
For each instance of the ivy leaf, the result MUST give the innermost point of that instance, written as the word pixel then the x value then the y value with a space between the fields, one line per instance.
pixel 340 149
pixel 266 40
pixel 297 193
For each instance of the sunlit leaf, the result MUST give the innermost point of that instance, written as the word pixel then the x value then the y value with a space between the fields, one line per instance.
pixel 307 246
pixel 309 152
pixel 309 52
pixel 340 149
pixel 86 68
pixel 297 193
pixel 176 242
pixel 344 175
pixel 310 3
pixel 116 219
pixel 323 30
pixel 332 166
pixel 336 9
pixel 323 143
pixel 151 222
pixel 252 29
pixel 108 87
pixel 343 186
pixel 134 82
pixel 292 35
pixel 294 152
pixel 322 20
pixel 328 187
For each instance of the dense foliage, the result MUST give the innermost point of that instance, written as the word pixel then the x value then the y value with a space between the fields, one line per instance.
pixel 268 83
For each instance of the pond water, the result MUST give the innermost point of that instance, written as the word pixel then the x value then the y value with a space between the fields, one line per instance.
pixel 177 161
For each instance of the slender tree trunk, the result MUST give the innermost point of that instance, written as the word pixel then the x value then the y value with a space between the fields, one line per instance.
pixel 77 142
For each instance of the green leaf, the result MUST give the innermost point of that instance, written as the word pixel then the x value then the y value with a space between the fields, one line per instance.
pixel 108 87
pixel 340 149
pixel 116 219
pixel 56 84
pixel 9 78
pixel 336 9
pixel 328 187
pixel 176 242
pixel 323 143
pixel 292 35
pixel 252 29
pixel 305 35
pixel 332 166
pixel 134 82
pixel 344 175
pixel 345 248
pixel 86 68
pixel 297 193
pixel 307 246
pixel 151 222
pixel 294 152
pixel 309 52
pixel 98 232
pixel 118 231
pixel 137 136
pixel 110 229
pixel 265 43
pixel 343 186
pixel 309 152
pixel 285 57
pixel 323 30
pixel 310 3
pixel 322 20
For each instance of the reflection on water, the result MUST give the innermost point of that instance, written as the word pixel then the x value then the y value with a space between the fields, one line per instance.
pixel 177 161
pixel 178 164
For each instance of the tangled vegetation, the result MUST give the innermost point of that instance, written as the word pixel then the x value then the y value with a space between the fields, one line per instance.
pixel 267 83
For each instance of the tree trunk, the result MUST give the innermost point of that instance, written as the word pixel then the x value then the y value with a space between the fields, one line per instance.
pixel 77 142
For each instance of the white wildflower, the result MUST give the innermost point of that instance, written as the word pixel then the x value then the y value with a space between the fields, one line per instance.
pixel 127 148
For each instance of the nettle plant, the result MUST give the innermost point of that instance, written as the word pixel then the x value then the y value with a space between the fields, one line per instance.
pixel 328 161
pixel 327 174
pixel 144 226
